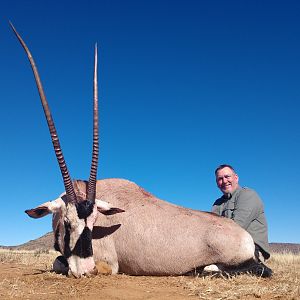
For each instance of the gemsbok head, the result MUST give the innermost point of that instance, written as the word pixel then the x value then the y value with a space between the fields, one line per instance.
pixel 76 213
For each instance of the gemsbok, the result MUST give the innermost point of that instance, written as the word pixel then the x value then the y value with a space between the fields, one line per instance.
pixel 132 231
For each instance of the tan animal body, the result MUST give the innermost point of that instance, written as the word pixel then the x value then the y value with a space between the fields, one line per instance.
pixel 155 237
pixel 118 222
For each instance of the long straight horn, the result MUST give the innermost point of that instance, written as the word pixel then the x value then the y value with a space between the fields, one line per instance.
pixel 71 196
pixel 91 194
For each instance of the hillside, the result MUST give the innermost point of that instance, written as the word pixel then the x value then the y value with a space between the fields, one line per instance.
pixel 46 242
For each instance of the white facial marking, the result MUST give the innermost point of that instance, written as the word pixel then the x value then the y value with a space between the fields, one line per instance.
pixel 56 205
pixel 92 218
pixel 81 266
pixel 77 225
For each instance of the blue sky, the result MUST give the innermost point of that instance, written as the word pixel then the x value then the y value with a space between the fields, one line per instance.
pixel 183 86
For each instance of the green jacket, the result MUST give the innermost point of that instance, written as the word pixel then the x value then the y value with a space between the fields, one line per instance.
pixel 245 207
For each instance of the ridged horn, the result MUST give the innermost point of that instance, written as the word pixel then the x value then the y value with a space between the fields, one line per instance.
pixel 91 193
pixel 71 196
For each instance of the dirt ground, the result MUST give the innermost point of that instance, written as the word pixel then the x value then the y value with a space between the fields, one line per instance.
pixel 27 282
pixel 34 280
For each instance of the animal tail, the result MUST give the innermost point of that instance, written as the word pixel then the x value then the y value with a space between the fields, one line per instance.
pixel 260 269
pixel 251 266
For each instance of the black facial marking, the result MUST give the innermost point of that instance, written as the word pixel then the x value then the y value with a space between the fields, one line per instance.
pixel 56 236
pixel 67 250
pixel 84 209
pixel 83 247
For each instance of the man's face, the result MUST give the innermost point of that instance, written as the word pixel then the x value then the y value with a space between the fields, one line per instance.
pixel 227 180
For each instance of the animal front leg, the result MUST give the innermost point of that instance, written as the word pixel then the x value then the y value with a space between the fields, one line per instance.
pixel 103 267
pixel 105 255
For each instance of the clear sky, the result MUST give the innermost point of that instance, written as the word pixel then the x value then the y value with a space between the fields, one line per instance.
pixel 183 86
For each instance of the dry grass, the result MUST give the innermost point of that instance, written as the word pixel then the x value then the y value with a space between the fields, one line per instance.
pixel 27 257
pixel 285 283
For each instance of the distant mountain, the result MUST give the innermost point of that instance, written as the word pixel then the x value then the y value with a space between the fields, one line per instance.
pixel 43 243
pixel 285 247
pixel 46 242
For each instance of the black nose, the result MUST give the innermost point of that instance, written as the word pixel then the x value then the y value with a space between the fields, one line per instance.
pixel 84 209
pixel 63 260
pixel 60 265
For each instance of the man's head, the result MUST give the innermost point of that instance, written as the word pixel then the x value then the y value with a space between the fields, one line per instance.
pixel 226 178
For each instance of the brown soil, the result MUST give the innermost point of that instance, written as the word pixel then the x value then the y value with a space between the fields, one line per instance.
pixel 26 276
pixel 27 282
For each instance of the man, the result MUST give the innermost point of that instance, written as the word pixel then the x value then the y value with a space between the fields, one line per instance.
pixel 244 206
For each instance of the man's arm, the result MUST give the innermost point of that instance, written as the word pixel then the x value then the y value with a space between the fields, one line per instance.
pixel 247 207
pixel 217 207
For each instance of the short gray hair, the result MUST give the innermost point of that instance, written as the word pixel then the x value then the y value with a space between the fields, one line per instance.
pixel 224 166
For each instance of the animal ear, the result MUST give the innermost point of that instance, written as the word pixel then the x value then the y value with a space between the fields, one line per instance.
pixel 105 208
pixel 45 209
pixel 38 212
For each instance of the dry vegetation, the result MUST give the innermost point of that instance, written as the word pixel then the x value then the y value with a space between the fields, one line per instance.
pixel 26 257
pixel 26 275
pixel 285 284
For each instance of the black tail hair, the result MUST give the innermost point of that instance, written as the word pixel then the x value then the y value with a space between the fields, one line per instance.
pixel 251 267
